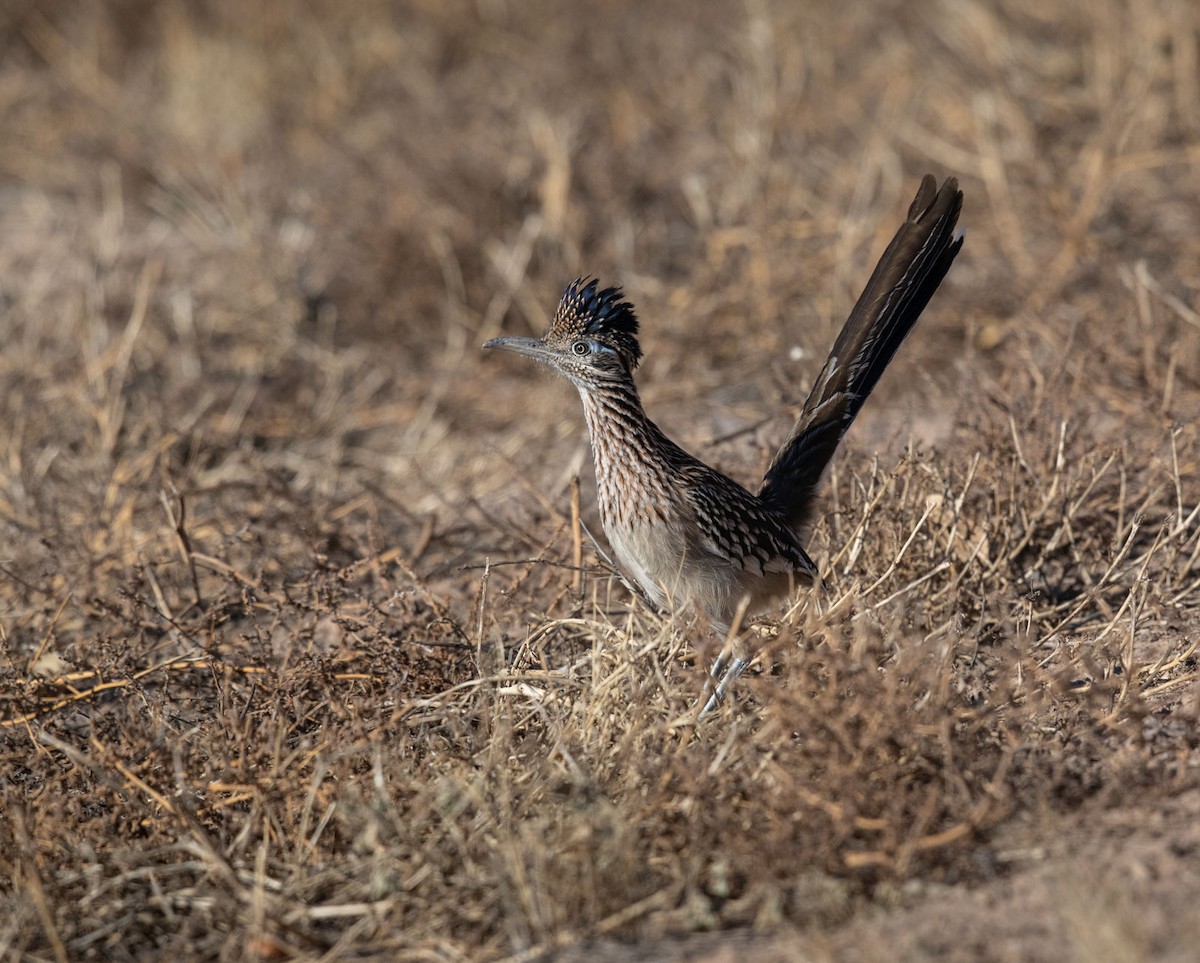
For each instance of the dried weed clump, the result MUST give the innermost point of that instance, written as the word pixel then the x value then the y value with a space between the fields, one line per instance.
pixel 291 764
pixel 304 650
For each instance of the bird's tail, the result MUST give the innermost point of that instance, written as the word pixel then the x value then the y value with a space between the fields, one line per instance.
pixel 909 272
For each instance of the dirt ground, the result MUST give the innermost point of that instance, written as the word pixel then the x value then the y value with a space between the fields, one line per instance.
pixel 305 652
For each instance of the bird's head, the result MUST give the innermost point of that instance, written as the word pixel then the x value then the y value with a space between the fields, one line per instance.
pixel 592 337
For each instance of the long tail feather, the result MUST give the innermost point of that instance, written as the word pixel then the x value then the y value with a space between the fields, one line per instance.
pixel 909 272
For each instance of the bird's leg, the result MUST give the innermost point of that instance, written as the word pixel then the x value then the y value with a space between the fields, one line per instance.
pixel 718 666
pixel 735 667
pixel 728 666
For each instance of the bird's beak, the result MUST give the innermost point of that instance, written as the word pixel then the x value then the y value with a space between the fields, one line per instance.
pixel 533 347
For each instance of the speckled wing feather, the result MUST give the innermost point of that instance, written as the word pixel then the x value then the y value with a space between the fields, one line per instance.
pixel 909 272
pixel 736 527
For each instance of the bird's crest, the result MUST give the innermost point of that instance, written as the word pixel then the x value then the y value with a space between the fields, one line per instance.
pixel 603 314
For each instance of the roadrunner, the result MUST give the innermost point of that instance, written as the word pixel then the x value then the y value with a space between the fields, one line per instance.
pixel 685 533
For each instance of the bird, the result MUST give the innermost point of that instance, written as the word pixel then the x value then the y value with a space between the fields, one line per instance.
pixel 687 535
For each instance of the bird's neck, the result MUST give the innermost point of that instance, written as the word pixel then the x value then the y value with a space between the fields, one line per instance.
pixel 615 417
pixel 632 456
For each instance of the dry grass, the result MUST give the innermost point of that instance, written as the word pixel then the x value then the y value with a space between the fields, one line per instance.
pixel 298 660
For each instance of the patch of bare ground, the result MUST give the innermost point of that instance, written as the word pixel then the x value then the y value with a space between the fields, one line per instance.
pixel 304 651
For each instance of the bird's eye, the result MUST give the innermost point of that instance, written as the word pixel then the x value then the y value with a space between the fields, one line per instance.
pixel 581 347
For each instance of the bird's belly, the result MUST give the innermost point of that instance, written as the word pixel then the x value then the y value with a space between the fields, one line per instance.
pixel 658 558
